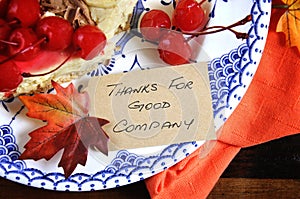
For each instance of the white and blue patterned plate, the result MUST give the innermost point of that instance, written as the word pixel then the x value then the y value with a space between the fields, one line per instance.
pixel 231 68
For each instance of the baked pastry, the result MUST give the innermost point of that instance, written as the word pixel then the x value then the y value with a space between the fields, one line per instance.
pixel 110 16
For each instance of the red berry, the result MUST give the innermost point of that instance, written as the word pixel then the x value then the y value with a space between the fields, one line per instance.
pixel 3 7
pixel 89 41
pixel 26 12
pixel 4 33
pixel 26 40
pixel 174 49
pixel 57 31
pixel 189 16
pixel 152 22
pixel 10 76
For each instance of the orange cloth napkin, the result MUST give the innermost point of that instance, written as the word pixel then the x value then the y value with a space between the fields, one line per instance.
pixel 269 110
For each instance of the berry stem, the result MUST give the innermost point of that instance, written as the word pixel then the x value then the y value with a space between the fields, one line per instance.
pixel 11 23
pixel 280 6
pixel 239 35
pixel 24 50
pixel 284 6
pixel 242 22
pixel 9 42
pixel 222 28
pixel 48 72
pixel 201 2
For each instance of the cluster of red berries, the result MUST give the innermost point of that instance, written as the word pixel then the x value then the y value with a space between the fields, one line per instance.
pixel 24 34
pixel 187 17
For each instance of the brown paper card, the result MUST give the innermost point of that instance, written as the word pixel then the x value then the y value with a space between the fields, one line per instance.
pixel 154 107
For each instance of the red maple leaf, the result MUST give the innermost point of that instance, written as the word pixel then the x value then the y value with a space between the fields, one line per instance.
pixel 69 127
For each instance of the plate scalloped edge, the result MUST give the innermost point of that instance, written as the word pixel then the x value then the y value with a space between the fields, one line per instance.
pixel 230 76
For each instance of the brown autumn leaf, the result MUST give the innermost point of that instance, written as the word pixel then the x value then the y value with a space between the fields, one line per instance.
pixel 289 22
pixel 69 127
